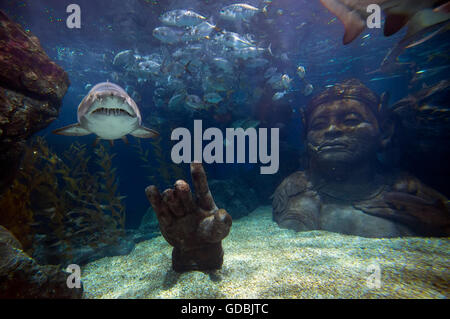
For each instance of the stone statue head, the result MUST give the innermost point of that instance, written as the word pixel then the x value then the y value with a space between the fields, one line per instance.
pixel 346 124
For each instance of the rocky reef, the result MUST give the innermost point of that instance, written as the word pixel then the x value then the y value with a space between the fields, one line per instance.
pixel 264 261
pixel 31 90
pixel 23 277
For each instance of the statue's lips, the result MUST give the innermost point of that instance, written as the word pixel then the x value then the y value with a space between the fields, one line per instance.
pixel 332 146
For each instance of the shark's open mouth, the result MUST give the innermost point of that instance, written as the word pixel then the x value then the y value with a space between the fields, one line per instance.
pixel 112 111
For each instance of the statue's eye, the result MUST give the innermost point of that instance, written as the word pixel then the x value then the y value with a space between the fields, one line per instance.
pixel 352 120
pixel 319 125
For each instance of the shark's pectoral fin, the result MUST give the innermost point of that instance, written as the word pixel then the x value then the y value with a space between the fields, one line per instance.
pixel 144 132
pixel 72 130
pixel 353 22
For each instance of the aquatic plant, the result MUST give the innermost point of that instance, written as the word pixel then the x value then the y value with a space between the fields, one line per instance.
pixel 110 195
pixel 32 179
pixel 164 171
pixel 163 167
pixel 60 203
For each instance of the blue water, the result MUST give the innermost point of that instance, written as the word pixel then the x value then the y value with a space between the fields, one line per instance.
pixel 301 32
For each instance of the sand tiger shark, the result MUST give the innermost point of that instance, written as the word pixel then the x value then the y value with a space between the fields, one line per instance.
pixel 418 15
pixel 108 112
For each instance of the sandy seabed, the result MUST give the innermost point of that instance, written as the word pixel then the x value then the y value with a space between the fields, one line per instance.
pixel 264 261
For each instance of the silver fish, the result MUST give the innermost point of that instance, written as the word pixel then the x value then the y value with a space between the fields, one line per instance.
pixel 279 95
pixel 309 88
pixel 168 35
pixel 270 72
pixel 286 81
pixel 301 71
pixel 181 18
pixel 223 64
pixel 176 101
pixel 257 63
pixel 108 112
pixel 198 32
pixel 149 67
pixel 240 11
pixel 124 58
pixel 235 41
pixel 212 98
pixel 251 52
pixel 194 102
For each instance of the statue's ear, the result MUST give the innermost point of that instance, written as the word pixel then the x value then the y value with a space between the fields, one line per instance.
pixel 387 129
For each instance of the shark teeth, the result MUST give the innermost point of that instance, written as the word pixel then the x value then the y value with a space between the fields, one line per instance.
pixel 112 111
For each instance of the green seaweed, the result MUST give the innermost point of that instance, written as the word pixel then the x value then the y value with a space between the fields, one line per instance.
pixel 164 171
pixel 60 201
pixel 110 185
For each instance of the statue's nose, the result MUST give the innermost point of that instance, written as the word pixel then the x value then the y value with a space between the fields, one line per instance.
pixel 333 131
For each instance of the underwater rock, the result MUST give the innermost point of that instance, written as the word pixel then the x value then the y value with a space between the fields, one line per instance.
pixel 423 134
pixel 85 244
pixel 22 277
pixel 263 260
pixel 84 235
pixel 31 91
pixel 149 222
pixel 235 196
pixel 79 254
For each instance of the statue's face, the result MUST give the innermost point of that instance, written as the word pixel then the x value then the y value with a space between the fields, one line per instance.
pixel 342 131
